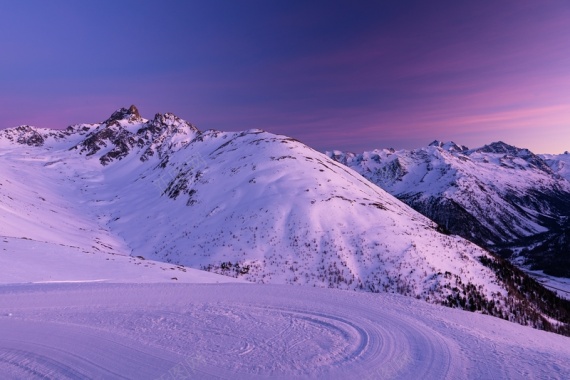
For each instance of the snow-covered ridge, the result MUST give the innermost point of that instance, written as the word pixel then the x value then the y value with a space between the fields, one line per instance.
pixel 495 195
pixel 250 204
pixel 124 131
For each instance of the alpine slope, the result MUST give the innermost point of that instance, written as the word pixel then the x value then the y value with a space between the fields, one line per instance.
pixel 252 205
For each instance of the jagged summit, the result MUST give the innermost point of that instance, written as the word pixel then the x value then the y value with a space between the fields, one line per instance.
pixel 500 147
pixel 133 110
pixel 170 120
pixel 126 131
pixel 130 114
pixel 449 146
pixel 510 154
pixel 29 135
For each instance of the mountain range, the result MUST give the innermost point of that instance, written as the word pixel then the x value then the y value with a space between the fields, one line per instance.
pixel 503 198
pixel 270 209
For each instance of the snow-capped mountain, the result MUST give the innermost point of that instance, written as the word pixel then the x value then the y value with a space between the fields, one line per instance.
pixel 251 204
pixel 496 196
pixel 559 163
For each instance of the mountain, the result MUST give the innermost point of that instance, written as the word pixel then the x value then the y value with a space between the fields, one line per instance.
pixel 499 196
pixel 559 163
pixel 250 204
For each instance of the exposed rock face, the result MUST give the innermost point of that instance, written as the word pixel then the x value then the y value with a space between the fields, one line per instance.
pixel 32 136
pixel 134 111
pixel 29 136
pixel 126 130
pixel 165 132
pixel 449 146
pixel 130 114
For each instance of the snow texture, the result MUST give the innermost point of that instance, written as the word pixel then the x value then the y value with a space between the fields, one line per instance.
pixel 233 331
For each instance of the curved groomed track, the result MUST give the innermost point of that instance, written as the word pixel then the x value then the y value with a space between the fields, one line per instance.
pixel 160 331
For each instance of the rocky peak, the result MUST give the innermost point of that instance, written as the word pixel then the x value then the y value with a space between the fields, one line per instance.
pixel 25 135
pixel 449 146
pixel 511 152
pixel 165 118
pixel 435 143
pixel 112 133
pixel 130 114
pixel 134 111
pixel 126 131
pixel 165 132
pixel 170 120
pixel 500 147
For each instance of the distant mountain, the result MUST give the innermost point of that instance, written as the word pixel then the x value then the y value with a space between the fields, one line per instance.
pixel 252 204
pixel 559 163
pixel 499 196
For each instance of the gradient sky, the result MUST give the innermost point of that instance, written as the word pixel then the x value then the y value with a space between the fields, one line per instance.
pixel 349 75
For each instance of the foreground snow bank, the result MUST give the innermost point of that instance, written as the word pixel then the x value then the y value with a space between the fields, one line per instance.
pixel 27 260
pixel 174 331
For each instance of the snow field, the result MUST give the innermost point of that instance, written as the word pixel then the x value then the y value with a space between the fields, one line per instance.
pixel 233 331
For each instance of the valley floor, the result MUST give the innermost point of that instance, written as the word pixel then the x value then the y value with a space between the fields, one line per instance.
pixel 136 322
pixel 560 285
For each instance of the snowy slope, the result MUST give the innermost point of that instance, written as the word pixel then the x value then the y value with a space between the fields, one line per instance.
pixel 31 261
pixel 233 331
pixel 496 196
pixel 251 204
pixel 72 322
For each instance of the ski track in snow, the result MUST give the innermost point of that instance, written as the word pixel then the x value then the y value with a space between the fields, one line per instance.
pixel 247 331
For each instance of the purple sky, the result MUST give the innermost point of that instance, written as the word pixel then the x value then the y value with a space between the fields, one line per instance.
pixel 349 75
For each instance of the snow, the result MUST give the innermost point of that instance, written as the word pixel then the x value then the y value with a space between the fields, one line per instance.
pixel 262 201
pixel 247 331
pixel 31 261
pixel 508 193
pixel 99 266
pixel 559 163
